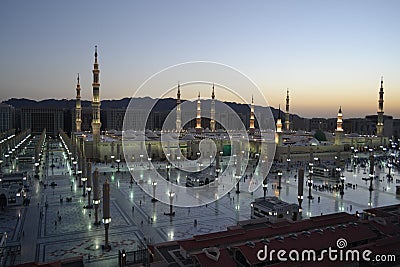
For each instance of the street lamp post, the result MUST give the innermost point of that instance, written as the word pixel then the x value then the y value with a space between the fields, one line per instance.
pixel 199 161
pixel 355 158
pixel 238 172
pixel 149 159
pixel 6 160
pixel 154 184
pixel 390 165
pixel 217 166
pixel 118 161
pixel 84 179
pixel 96 196
pixel 74 163
pixel 71 160
pixel 168 169
pixel 37 170
pixel 131 182
pixel 371 171
pixel 310 181
pixel 279 180
pixel 265 187
pixel 112 161
pixel 237 185
pixel 316 161
pixel 342 180
pixel 211 172
pixel 89 184
pixel 106 213
pixel 220 158
pixel 79 176
pixel 300 186
pixel 337 173
pixel 288 164
pixel 171 196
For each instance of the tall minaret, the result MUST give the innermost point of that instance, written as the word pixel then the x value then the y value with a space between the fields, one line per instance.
pixel 212 121
pixel 198 117
pixel 339 129
pixel 96 123
pixel 287 114
pixel 278 133
pixel 251 127
pixel 78 115
pixel 379 126
pixel 178 109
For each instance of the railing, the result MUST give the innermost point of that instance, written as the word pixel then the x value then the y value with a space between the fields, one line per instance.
pixel 133 257
pixel 8 254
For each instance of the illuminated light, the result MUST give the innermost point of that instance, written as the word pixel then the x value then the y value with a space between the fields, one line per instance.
pixel 106 220
pixel 171 235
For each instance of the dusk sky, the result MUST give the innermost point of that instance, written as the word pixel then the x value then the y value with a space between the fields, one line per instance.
pixel 328 53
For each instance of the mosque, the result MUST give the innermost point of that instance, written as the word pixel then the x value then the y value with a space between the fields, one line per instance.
pixel 291 146
pixel 294 146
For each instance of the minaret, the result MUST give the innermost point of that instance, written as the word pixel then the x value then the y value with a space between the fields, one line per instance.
pixel 287 114
pixel 339 129
pixel 278 133
pixel 198 117
pixel 379 126
pixel 78 115
pixel 178 109
pixel 251 128
pixel 96 124
pixel 212 121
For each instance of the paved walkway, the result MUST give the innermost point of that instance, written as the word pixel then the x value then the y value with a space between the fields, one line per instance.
pixel 49 237
pixel 30 228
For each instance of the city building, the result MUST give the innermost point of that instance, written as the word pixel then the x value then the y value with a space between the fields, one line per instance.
pixel 39 118
pixel 274 209
pixel 12 189
pixel 7 117
pixel 376 229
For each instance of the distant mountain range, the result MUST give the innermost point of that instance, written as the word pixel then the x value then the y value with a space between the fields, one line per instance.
pixel 161 105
